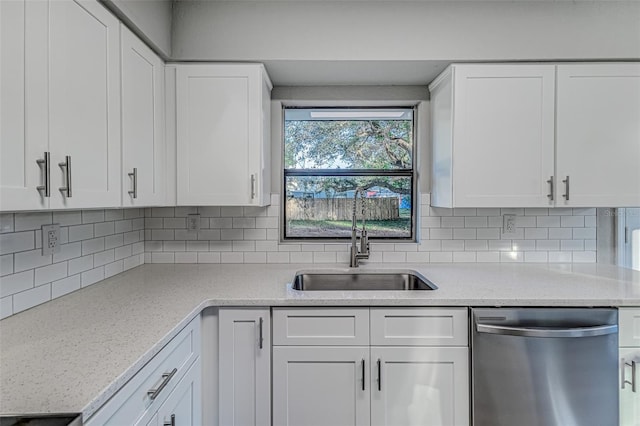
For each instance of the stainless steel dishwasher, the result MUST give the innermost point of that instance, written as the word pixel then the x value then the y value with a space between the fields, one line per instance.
pixel 544 367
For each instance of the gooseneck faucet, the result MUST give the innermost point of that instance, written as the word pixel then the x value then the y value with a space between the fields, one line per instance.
pixel 363 251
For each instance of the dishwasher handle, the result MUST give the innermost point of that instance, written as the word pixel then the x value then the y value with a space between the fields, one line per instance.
pixel 598 330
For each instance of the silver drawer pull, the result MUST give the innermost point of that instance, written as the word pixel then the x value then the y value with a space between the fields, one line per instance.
pixel 624 380
pixel 134 178
pixel 67 166
pixel 166 377
pixel 46 173
pixel 172 422
pixel 566 187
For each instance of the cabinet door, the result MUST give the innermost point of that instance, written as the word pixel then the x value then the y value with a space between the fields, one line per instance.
pixel 19 149
pixel 219 134
pixel 629 399
pixel 503 135
pixel 320 386
pixel 419 386
pixel 183 406
pixel 245 367
pixel 598 135
pixel 143 142
pixel 84 103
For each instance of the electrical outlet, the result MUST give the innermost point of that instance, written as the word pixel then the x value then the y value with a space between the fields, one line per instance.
pixel 509 224
pixel 193 222
pixel 50 239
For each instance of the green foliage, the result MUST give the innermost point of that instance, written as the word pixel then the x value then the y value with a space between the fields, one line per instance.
pixel 365 144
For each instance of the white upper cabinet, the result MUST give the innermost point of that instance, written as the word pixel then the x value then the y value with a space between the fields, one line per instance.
pixel 598 135
pixel 536 135
pixel 60 95
pixel 20 174
pixel 223 149
pixel 84 104
pixel 143 141
pixel 493 135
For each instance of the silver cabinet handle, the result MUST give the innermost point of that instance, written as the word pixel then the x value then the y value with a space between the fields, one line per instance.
pixel 67 166
pixel 566 188
pixel 172 422
pixel 260 338
pixel 253 186
pixel 46 162
pixel 623 378
pixel 166 377
pixel 599 330
pixel 363 373
pixel 134 178
pixel 550 194
pixel 379 375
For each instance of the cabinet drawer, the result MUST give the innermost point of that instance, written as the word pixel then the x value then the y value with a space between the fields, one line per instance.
pixel 419 327
pixel 629 321
pixel 321 326
pixel 132 404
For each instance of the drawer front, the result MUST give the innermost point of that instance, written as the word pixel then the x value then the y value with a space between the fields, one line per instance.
pixel 419 327
pixel 629 321
pixel 321 326
pixel 133 402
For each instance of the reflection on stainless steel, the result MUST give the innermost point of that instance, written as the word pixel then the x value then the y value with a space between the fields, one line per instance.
pixel 339 281
pixel 67 419
pixel 551 367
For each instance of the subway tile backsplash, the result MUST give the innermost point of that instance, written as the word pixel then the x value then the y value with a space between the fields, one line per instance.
pixel 94 245
pixel 97 244
pixel 251 235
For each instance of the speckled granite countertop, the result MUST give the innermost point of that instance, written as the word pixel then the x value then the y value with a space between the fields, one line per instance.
pixel 73 353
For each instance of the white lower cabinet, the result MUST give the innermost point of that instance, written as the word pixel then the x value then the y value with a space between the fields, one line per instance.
pixel 319 386
pixel 168 384
pixel 629 387
pixel 629 358
pixel 182 407
pixel 422 380
pixel 419 386
pixel 244 367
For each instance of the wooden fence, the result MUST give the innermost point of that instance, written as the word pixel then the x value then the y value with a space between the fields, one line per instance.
pixel 342 208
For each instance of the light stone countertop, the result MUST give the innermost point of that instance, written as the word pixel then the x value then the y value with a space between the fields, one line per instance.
pixel 73 353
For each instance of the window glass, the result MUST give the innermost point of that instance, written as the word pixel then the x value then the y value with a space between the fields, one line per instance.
pixel 329 152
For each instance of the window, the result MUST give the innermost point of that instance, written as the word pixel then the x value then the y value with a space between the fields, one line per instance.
pixel 329 153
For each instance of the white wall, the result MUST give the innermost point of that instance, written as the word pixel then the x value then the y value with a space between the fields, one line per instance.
pixel 401 30
pixel 151 19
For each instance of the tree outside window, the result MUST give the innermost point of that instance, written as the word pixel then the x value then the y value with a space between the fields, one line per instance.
pixel 329 152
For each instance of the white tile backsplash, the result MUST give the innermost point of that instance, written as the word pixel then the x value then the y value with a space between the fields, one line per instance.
pixel 98 244
pixel 95 244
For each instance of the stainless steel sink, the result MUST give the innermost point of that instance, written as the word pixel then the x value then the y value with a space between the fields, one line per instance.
pixel 359 281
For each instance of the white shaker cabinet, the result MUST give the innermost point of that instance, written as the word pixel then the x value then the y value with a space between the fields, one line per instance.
pixel 319 386
pixel 20 148
pixel 222 128
pixel 493 135
pixel 598 135
pixel 629 357
pixel 419 386
pixel 143 141
pixel 170 383
pixel 245 367
pixel 60 95
pixel 183 406
pixel 417 373
pixel 84 104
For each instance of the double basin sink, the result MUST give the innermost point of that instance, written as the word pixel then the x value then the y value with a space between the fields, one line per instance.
pixel 389 280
